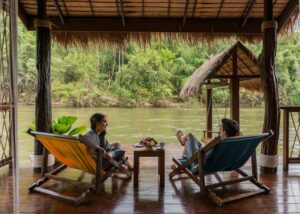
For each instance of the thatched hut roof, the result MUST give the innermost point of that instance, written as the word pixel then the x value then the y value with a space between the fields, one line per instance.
pixel 219 67
pixel 120 21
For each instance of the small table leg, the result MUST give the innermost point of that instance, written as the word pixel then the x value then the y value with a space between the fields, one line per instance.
pixel 136 171
pixel 161 170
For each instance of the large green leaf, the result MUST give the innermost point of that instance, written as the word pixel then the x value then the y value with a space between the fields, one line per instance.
pixel 78 130
pixel 61 128
pixel 67 120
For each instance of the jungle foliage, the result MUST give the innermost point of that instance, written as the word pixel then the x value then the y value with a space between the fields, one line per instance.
pixel 142 76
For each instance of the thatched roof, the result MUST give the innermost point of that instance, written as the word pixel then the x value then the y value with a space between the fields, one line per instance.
pixel 219 67
pixel 119 21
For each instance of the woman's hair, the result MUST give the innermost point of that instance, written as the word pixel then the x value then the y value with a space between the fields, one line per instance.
pixel 231 127
pixel 96 118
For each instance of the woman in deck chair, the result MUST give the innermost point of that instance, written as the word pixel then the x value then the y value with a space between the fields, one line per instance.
pixel 229 128
pixel 97 135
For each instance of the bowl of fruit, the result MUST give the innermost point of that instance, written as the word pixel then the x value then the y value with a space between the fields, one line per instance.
pixel 148 142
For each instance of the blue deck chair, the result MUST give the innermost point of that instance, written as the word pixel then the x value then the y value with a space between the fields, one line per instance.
pixel 226 155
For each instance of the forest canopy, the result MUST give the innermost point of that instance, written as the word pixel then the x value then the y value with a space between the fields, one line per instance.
pixel 142 76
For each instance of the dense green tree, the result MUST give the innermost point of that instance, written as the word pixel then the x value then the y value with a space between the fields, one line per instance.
pixel 136 76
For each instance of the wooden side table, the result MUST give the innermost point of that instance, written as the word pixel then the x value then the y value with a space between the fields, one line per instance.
pixel 160 153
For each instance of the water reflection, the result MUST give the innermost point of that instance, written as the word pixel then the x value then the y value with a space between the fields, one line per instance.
pixel 130 125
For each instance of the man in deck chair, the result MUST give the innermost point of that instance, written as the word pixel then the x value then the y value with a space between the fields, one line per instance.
pixel 229 128
pixel 97 134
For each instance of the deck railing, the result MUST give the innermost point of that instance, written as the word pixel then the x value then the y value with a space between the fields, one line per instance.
pixel 291 145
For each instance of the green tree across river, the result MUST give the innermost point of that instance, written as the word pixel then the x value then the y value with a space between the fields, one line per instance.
pixel 139 76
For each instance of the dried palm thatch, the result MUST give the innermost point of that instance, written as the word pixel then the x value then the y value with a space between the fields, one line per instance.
pixel 219 67
pixel 110 22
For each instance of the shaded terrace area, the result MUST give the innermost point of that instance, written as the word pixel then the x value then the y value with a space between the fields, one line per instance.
pixel 119 195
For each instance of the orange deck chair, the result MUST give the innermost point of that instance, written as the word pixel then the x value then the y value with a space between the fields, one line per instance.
pixel 76 153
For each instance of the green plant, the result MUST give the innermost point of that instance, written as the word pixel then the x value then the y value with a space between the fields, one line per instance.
pixel 63 125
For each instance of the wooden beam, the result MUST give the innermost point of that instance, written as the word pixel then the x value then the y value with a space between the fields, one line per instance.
pixel 220 8
pixel 143 8
pixel 248 53
pixel 230 26
pixel 185 12
pixel 235 90
pixel 117 7
pixel 209 112
pixel 22 15
pixel 65 6
pixel 194 8
pixel 270 87
pixel 239 76
pixel 122 12
pixel 246 65
pixel 288 10
pixel 60 14
pixel 169 7
pixel 216 85
pixel 43 107
pixel 247 11
pixel 91 7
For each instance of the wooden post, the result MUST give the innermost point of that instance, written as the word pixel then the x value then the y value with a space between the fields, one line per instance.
pixel 43 109
pixel 209 112
pixel 235 91
pixel 285 139
pixel 270 84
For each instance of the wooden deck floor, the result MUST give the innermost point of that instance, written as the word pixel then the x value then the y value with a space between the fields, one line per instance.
pixel 183 197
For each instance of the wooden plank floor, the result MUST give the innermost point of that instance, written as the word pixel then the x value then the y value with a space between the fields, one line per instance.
pixel 183 197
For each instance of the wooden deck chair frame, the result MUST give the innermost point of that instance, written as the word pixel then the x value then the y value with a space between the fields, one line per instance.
pixel 208 189
pixel 101 154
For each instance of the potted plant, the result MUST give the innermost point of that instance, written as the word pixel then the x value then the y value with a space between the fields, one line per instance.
pixel 63 126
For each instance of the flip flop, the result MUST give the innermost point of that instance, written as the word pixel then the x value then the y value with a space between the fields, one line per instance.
pixel 179 133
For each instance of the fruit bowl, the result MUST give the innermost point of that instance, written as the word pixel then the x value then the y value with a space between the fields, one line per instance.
pixel 148 142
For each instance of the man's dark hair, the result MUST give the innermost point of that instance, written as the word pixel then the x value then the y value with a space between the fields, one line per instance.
pixel 231 127
pixel 96 118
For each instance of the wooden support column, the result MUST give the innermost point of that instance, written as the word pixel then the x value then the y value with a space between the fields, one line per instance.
pixel 270 87
pixel 209 112
pixel 43 109
pixel 235 91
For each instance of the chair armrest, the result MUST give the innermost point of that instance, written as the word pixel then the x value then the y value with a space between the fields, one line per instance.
pixel 211 144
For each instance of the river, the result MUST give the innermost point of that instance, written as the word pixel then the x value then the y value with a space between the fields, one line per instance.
pixel 129 125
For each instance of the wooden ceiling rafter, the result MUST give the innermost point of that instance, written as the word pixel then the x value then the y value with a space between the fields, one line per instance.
pixel 185 12
pixel 65 6
pixel 23 16
pixel 194 8
pixel 122 12
pixel 60 14
pixel 195 25
pixel 226 71
pixel 117 7
pixel 220 8
pixel 247 11
pixel 143 8
pixel 91 7
pixel 247 66
pixel 289 9
pixel 169 7
pixel 239 76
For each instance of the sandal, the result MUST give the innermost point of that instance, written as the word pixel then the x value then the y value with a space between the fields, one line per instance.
pixel 179 134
